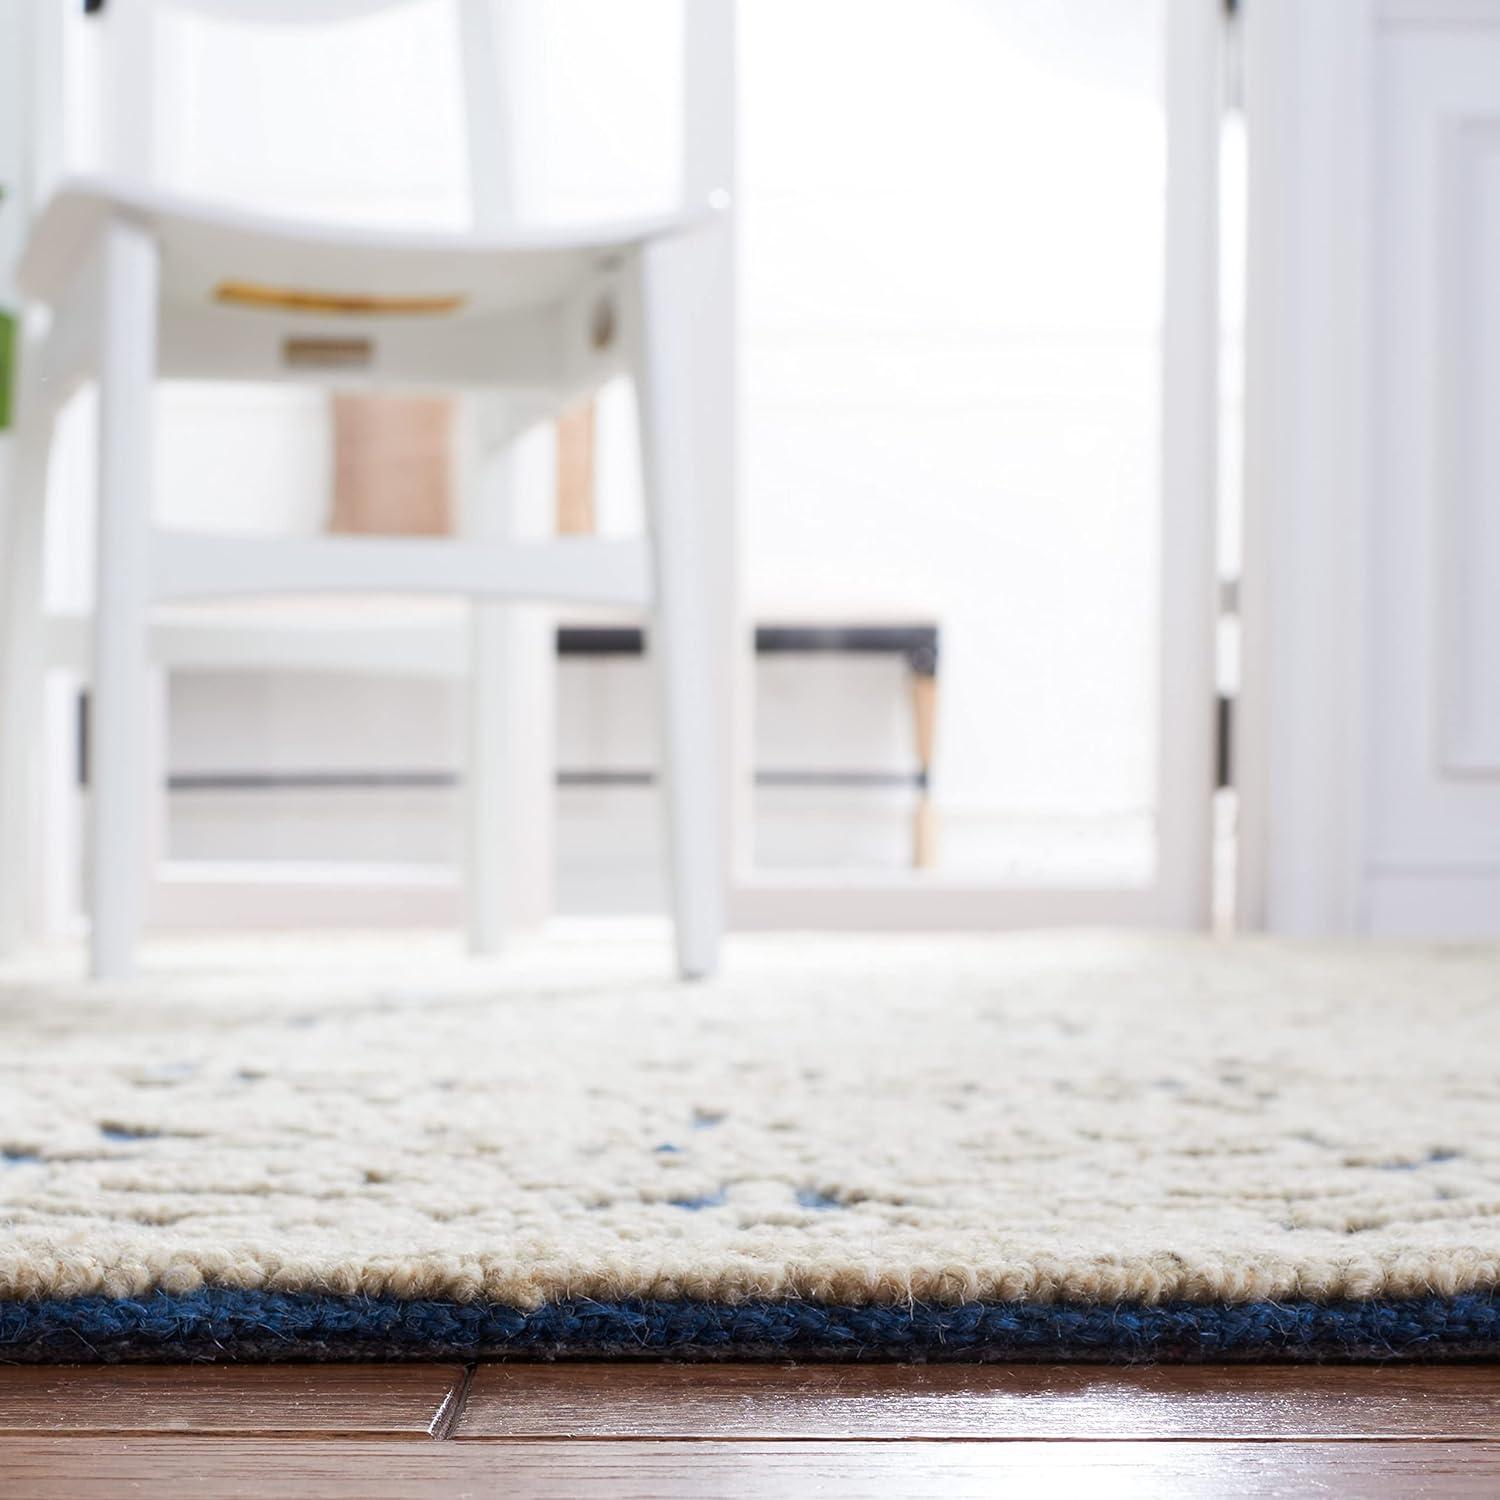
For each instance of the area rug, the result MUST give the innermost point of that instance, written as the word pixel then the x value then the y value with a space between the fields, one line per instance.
pixel 1046 1147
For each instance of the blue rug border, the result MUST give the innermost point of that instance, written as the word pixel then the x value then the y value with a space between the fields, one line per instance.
pixel 228 1324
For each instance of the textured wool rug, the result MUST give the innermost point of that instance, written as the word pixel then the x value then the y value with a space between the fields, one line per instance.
pixel 1035 1146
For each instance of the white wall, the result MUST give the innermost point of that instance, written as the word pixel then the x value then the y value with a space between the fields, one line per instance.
pixel 1373 623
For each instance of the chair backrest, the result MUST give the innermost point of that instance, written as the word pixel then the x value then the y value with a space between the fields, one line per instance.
pixel 32 80
pixel 124 37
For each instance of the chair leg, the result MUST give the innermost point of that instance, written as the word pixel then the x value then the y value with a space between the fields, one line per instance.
pixel 119 722
pixel 684 626
pixel 22 511
pixel 509 775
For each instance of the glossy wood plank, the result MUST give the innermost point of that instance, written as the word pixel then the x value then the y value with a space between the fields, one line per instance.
pixel 247 1469
pixel 981 1401
pixel 412 1399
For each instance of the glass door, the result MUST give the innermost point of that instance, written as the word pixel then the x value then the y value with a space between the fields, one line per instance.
pixel 978 351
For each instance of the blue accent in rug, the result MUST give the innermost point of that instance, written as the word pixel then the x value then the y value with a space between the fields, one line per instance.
pixel 221 1324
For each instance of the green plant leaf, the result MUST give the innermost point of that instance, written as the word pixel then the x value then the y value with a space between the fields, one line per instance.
pixel 8 345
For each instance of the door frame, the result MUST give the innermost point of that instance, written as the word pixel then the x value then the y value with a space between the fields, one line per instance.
pixel 1309 87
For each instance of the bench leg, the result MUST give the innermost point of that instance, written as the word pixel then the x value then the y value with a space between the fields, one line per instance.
pixel 924 702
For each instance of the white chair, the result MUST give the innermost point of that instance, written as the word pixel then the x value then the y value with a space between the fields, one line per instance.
pixel 139 284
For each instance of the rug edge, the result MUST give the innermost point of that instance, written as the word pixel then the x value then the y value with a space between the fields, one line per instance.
pixel 231 1325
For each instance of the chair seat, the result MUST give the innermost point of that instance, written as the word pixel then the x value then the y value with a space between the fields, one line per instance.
pixel 245 296
pixel 213 254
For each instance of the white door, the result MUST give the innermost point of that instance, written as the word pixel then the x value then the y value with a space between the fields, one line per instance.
pixel 979 269
pixel 1371 722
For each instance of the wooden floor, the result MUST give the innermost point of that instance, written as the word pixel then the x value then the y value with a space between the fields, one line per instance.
pixel 628 1430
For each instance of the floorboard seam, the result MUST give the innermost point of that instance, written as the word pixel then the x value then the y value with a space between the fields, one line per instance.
pixel 452 1409
pixel 1352 1440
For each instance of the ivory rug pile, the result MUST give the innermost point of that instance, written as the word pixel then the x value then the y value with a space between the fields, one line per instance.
pixel 1035 1146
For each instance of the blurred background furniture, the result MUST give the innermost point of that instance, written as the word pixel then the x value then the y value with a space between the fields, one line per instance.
pixel 953 409
pixel 914 644
pixel 141 284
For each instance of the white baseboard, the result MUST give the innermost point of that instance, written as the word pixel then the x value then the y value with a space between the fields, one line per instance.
pixel 1452 899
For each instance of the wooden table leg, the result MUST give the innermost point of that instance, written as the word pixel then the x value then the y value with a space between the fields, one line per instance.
pixel 924 701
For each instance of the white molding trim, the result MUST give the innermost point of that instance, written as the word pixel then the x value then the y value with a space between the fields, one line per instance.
pixel 1465 143
pixel 1429 903
pixel 1446 868
pixel 918 903
pixel 1186 690
pixel 1431 13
